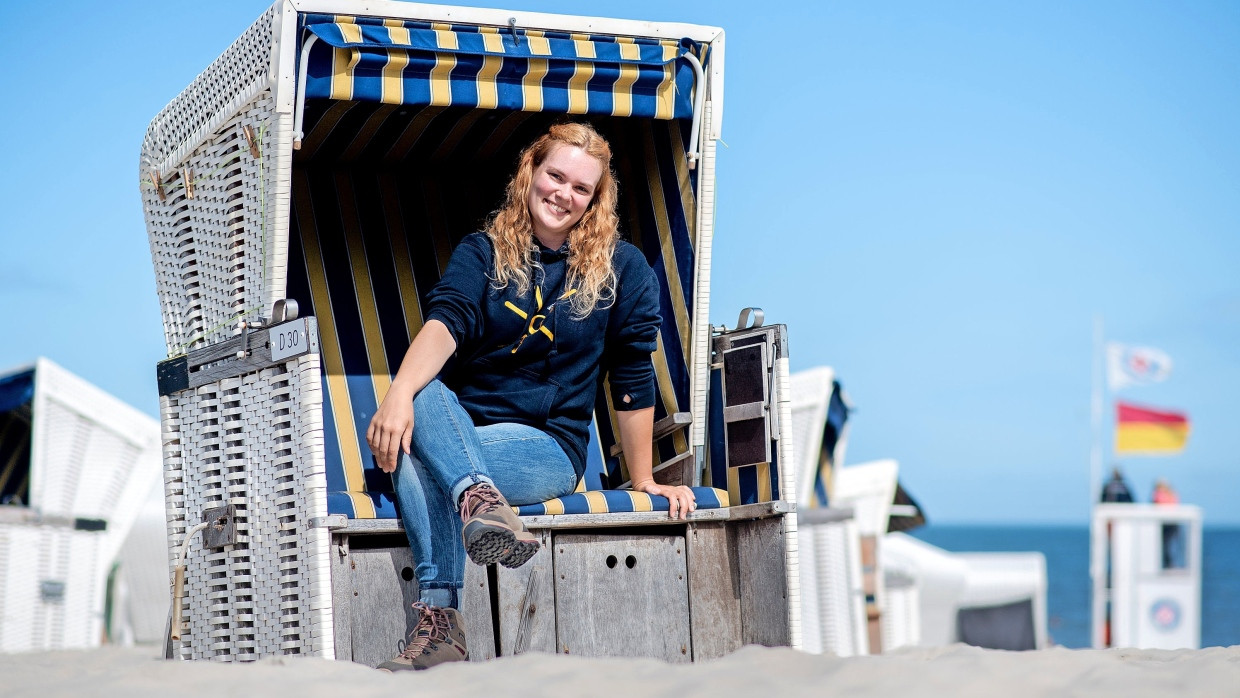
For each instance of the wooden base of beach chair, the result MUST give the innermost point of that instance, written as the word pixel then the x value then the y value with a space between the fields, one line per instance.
pixel 602 585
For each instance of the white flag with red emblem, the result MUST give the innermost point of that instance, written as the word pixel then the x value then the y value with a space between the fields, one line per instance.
pixel 1129 365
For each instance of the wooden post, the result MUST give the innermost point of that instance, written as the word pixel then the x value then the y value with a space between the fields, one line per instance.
pixel 714 591
pixel 526 603
pixel 342 597
pixel 475 599
pixel 763 582
pixel 869 586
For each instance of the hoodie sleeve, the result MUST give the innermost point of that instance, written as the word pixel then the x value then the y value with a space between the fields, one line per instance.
pixel 457 299
pixel 632 334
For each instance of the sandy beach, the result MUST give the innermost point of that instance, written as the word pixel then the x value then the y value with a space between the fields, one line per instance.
pixel 753 671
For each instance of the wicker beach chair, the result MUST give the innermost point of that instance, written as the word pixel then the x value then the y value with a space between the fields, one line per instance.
pixel 297 212
pixel 833 608
pixel 75 464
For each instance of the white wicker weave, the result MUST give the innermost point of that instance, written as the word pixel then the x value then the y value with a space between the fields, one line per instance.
pixel 213 253
pixel 252 441
pixel 36 560
pixel 836 555
pixel 788 485
pixel 232 80
pixel 901 613
pixel 701 343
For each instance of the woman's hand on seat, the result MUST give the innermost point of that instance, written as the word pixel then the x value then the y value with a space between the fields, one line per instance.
pixel 680 498
pixel 391 430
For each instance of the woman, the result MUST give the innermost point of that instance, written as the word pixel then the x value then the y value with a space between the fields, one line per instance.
pixel 492 402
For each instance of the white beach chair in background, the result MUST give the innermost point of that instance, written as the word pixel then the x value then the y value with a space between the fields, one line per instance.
pixel 833 603
pixel 75 467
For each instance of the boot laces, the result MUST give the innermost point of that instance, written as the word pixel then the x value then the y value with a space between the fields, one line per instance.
pixel 432 627
pixel 479 500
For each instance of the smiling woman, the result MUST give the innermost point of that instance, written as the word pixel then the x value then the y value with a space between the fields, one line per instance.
pixel 493 400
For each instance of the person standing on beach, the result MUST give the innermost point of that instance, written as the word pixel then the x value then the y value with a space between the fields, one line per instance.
pixel 1163 494
pixel 493 399
pixel 1173 544
pixel 1115 489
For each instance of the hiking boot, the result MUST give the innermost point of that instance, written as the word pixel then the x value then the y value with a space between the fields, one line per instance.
pixel 492 532
pixel 438 637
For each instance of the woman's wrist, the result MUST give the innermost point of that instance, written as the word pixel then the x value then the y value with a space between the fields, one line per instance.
pixel 400 393
pixel 641 485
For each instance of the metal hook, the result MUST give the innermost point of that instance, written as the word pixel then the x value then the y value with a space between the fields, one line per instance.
pixel 743 322
pixel 512 27
pixel 284 310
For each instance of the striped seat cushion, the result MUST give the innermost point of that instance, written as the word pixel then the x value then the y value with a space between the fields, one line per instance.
pixel 610 501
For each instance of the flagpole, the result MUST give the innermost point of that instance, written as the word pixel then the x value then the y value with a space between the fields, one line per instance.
pixel 1095 456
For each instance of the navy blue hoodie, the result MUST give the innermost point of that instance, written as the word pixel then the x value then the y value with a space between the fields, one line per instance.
pixel 527 359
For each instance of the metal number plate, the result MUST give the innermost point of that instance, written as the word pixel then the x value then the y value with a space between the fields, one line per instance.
pixel 288 340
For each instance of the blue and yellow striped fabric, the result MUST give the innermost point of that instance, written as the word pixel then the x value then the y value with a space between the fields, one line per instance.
pixel 837 416
pixel 16 395
pixel 610 501
pixel 377 208
pixel 440 64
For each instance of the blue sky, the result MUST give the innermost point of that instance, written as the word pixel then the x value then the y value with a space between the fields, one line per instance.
pixel 937 198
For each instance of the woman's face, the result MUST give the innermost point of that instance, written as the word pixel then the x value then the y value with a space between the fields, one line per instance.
pixel 562 190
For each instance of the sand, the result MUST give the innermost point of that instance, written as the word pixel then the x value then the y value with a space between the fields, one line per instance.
pixel 957 670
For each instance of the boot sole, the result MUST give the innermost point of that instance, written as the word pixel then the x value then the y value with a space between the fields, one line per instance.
pixel 486 545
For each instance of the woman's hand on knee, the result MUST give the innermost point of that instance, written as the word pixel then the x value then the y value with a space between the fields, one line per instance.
pixel 680 498
pixel 391 430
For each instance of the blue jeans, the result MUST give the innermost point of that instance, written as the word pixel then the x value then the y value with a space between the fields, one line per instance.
pixel 450 455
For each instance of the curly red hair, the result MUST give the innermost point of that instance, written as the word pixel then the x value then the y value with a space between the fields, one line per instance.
pixel 591 242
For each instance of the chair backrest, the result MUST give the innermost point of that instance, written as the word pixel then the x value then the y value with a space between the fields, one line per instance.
pixel 373 223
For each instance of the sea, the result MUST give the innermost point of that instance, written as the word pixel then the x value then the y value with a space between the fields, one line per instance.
pixel 1067 574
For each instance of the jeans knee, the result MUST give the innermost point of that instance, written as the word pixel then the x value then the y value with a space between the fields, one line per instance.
pixel 431 397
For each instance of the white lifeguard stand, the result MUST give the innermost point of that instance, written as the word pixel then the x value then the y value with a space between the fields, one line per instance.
pixel 1145 563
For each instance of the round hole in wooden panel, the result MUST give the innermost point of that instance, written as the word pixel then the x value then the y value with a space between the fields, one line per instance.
pixel 611 561
pixel 630 561
pixel 407 574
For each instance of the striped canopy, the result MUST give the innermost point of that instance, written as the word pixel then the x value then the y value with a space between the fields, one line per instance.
pixel 16 390
pixel 837 415
pixel 16 395
pixel 419 63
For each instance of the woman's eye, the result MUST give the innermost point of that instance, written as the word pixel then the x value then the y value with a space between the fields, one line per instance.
pixel 556 176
